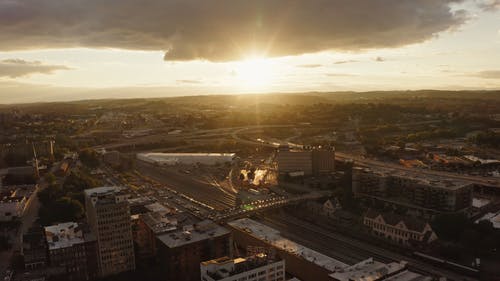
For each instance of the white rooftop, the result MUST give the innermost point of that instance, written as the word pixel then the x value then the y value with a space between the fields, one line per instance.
pixel 368 270
pixel 63 235
pixel 408 276
pixel 274 237
pixel 102 190
pixel 494 218
pixel 206 229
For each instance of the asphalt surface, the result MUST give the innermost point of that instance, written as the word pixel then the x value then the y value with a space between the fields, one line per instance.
pixel 202 191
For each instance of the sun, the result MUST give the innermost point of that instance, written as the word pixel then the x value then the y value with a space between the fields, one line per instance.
pixel 254 73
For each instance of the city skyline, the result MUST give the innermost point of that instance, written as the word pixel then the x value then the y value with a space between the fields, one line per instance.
pixel 68 51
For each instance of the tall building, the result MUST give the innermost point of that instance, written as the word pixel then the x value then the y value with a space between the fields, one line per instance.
pixel 72 250
pixel 310 162
pixel 254 268
pixel 108 216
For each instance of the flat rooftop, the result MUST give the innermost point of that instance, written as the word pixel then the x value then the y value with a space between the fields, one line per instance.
pixel 161 154
pixel 367 270
pixel 273 237
pixel 102 190
pixel 200 231
pixel 63 235
pixel 426 179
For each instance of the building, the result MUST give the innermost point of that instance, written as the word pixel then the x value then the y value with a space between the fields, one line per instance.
pixel 373 270
pixel 186 158
pixel 180 252
pixel 151 224
pixel 108 216
pixel 35 249
pixel 72 250
pixel 422 195
pixel 254 268
pixel 402 230
pixel 307 162
pixel 301 262
pixel 11 208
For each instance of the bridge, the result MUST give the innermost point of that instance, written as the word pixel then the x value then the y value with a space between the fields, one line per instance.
pixel 253 207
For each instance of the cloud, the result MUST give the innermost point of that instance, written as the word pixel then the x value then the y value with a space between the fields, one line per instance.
pixel 489 5
pixel 223 30
pixel 188 81
pixel 488 74
pixel 340 75
pixel 379 59
pixel 14 68
pixel 310 65
pixel 345 61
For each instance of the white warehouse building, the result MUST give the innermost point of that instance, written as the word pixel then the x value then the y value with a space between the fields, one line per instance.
pixel 186 158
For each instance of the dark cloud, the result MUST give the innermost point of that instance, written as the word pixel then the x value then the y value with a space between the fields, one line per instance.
pixel 489 74
pixel 379 59
pixel 221 30
pixel 310 65
pixel 14 68
pixel 345 61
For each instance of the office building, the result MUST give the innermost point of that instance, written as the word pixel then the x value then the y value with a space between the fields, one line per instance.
pixel 254 268
pixel 108 216
pixel 307 162
pixel 72 250
pixel 180 252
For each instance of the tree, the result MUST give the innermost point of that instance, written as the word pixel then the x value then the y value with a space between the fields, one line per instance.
pixel 89 158
pixel 450 226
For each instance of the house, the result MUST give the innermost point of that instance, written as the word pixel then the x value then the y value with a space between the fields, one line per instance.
pixel 399 229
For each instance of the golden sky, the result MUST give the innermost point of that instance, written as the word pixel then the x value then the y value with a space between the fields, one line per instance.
pixel 80 49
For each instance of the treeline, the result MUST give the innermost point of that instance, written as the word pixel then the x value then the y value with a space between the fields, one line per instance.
pixel 488 138
pixel 461 236
pixel 64 202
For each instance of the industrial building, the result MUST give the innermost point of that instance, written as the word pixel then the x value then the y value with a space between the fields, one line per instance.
pixel 422 195
pixel 372 270
pixel 72 251
pixel 302 262
pixel 254 268
pixel 108 216
pixel 170 159
pixel 307 162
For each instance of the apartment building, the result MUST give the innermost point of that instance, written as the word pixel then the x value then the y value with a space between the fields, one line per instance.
pixel 108 216
pixel 423 195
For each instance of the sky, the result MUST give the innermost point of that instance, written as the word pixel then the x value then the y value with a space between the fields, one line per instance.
pixel 53 50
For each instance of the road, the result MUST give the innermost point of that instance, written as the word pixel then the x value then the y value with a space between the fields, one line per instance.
pixel 202 191
pixel 360 161
pixel 347 249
